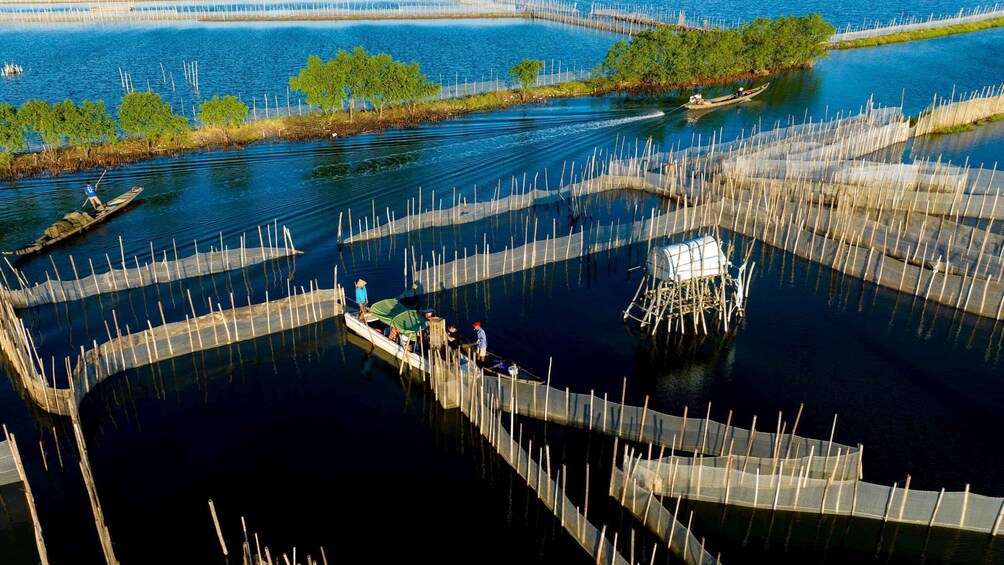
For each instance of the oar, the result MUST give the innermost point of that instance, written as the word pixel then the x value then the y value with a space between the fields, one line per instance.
pixel 99 179
pixel 675 109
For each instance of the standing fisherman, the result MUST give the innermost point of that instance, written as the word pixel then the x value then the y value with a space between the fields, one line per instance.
pixel 92 197
pixel 362 297
pixel 482 341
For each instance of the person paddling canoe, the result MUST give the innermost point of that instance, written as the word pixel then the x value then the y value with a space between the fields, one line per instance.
pixel 92 197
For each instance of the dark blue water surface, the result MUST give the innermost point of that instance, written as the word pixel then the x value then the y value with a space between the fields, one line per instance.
pixel 315 443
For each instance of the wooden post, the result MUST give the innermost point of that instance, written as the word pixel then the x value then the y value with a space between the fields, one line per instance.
pixel 216 522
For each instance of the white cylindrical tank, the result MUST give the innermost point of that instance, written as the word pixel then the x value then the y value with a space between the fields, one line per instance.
pixel 691 259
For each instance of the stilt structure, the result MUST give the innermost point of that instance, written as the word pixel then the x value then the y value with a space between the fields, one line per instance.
pixel 685 284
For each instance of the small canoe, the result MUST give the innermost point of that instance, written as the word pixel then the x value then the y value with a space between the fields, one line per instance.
pixel 497 366
pixel 726 100
pixel 112 207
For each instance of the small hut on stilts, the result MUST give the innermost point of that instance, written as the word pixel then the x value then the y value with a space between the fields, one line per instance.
pixel 692 286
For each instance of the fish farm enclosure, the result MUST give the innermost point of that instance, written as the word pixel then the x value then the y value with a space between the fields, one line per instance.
pixel 556 319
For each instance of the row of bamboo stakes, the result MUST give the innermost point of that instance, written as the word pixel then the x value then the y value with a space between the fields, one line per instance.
pixel 978 105
pixel 155 271
pixel 852 214
pixel 19 348
pixel 913 23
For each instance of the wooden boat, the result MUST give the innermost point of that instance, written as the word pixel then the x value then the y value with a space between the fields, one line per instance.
pixel 390 313
pixel 726 100
pixel 497 366
pixel 112 207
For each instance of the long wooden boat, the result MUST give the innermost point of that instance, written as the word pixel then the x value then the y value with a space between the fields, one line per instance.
pixel 726 100
pixel 112 207
pixel 370 330
pixel 495 365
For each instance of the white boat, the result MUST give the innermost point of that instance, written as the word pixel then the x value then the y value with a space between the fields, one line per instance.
pixel 372 330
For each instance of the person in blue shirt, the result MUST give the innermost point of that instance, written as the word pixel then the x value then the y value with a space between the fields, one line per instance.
pixel 482 341
pixel 362 298
pixel 92 197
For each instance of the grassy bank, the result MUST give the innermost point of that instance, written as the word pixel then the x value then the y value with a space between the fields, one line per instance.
pixel 968 127
pixel 309 126
pixel 916 35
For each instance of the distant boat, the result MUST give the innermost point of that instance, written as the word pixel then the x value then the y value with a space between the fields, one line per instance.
pixel 76 223
pixel 726 100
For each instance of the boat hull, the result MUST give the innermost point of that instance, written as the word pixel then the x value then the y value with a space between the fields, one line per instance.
pixel 112 207
pixel 729 100
pixel 373 336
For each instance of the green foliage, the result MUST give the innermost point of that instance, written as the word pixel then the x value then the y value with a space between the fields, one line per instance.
pixel 323 83
pixel 665 56
pixel 6 160
pixel 223 113
pixel 145 114
pixel 11 131
pixel 86 124
pixel 39 116
pixel 378 80
pixel 525 72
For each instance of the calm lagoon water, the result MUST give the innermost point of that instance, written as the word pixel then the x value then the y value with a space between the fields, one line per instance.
pixel 257 59
pixel 317 444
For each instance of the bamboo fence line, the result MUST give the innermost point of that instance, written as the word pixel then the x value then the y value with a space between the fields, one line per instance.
pixel 606 19
pixel 9 450
pixel 8 469
pixel 282 105
pixel 897 226
pixel 878 29
pixel 789 488
pixel 219 328
pixel 978 105
pixel 18 347
pixel 442 273
pixel 752 448
pixel 92 490
pixel 842 137
pixel 659 520
pixel 220 11
pixel 466 390
pixel 154 271
pixel 128 349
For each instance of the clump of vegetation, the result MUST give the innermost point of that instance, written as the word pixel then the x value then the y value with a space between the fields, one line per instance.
pixel 377 80
pixel 666 56
pixel 225 113
pixel 146 115
pixel 918 34
pixel 525 74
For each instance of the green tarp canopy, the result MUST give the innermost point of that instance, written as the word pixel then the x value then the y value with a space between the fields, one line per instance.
pixel 399 316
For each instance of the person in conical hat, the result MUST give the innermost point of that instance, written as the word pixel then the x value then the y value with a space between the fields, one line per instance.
pixel 362 298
